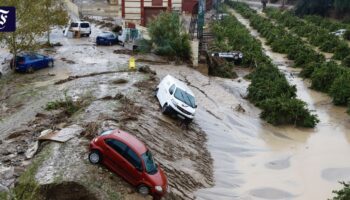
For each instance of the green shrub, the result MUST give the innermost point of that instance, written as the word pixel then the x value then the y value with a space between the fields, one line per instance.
pixel 322 78
pixel 347 34
pixel 68 105
pixel 288 111
pixel 343 194
pixel 268 82
pixel 346 61
pixel 340 90
pixel 170 39
pixel 342 51
pixel 309 69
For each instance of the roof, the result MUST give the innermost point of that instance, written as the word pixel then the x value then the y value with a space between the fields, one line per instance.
pixel 138 146
pixel 179 84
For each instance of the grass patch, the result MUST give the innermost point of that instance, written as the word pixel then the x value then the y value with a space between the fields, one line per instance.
pixel 68 104
pixel 27 187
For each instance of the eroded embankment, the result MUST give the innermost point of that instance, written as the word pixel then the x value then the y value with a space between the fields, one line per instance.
pixel 128 104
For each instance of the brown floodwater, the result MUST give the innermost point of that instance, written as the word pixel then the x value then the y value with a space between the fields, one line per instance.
pixel 255 160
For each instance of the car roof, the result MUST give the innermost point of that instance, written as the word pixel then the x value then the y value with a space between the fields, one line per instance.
pixel 106 33
pixel 179 84
pixel 130 140
pixel 28 54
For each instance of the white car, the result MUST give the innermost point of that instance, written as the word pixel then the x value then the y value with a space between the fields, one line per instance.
pixel 176 98
pixel 339 32
pixel 80 26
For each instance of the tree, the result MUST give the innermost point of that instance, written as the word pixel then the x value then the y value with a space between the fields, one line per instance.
pixel 342 5
pixel 168 35
pixel 27 27
pixel 319 7
pixel 53 14
pixel 344 193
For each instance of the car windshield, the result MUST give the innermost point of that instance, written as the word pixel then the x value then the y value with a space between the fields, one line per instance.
pixel 151 167
pixel 74 25
pixel 107 132
pixel 84 25
pixel 185 97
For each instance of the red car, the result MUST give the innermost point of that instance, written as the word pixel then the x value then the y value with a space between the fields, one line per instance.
pixel 125 155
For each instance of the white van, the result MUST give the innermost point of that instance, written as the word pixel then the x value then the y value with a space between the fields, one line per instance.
pixel 176 98
pixel 81 26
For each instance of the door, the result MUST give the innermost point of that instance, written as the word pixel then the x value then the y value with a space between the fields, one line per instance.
pixel 157 2
pixel 35 62
pixel 114 156
pixel 189 5
pixel 151 12
pixel 42 63
pixel 133 166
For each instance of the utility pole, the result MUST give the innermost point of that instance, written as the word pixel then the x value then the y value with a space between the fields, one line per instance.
pixel 201 16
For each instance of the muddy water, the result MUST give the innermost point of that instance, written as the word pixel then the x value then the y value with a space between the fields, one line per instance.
pixel 254 160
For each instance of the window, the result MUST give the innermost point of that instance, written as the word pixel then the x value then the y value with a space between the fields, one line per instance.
pixel 116 145
pixel 84 25
pixel 172 89
pixel 134 159
pixel 185 97
pixel 151 167
pixel 74 25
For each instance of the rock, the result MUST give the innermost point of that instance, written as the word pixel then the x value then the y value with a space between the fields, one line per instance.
pixel 119 81
pixel 18 171
pixel 3 188
pixel 6 173
pixel 33 148
pixel 146 69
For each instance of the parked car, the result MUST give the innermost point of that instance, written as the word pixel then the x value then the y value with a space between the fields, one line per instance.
pixel 176 98
pixel 82 26
pixel 219 16
pixel 233 56
pixel 108 38
pixel 339 32
pixel 128 157
pixel 28 62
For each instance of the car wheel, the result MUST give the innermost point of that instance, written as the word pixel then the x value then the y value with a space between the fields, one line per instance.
pixel 156 92
pixel 166 109
pixel 95 157
pixel 143 189
pixel 237 62
pixel 30 70
pixel 50 64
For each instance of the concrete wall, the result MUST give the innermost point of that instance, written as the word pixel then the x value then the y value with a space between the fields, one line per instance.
pixel 73 9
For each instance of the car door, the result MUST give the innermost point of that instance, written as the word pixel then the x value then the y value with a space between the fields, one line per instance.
pixel 33 62
pixel 41 62
pixel 133 166
pixel 114 156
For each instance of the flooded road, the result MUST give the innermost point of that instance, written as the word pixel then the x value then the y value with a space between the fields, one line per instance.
pixel 254 160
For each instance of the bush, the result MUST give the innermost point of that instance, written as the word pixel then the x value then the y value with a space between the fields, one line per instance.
pixel 288 111
pixel 166 32
pixel 346 61
pixel 68 105
pixel 342 51
pixel 309 69
pixel 347 34
pixel 340 90
pixel 268 82
pixel 322 78
pixel 343 194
